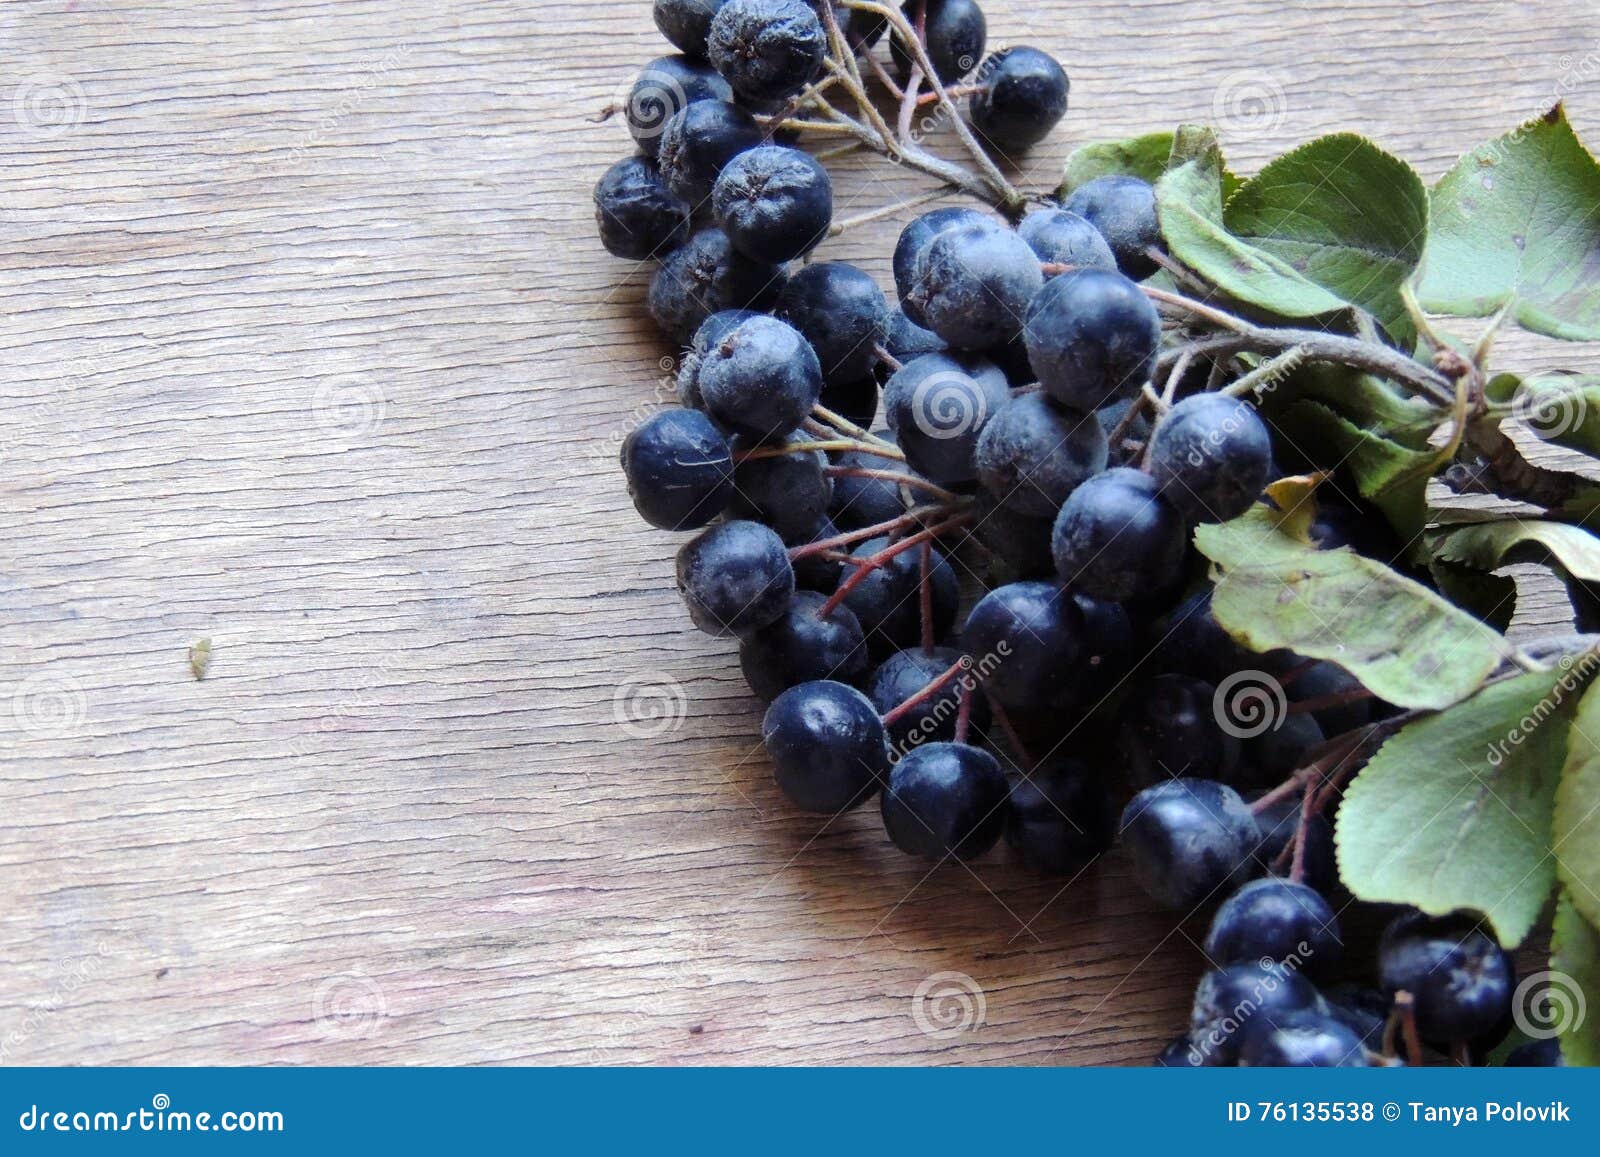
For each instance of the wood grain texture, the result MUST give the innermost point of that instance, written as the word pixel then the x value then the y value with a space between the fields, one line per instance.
pixel 309 351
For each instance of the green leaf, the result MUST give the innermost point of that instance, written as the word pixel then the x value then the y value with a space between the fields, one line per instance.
pixel 1146 157
pixel 1335 223
pixel 1515 223
pixel 1455 810
pixel 1577 815
pixel 1391 475
pixel 1559 408
pixel 1575 954
pixel 1143 157
pixel 1404 642
pixel 1486 545
pixel 1367 401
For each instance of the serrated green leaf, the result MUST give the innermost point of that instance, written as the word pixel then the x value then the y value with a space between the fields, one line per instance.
pixel 1143 157
pixel 1335 223
pixel 1485 545
pixel 1404 642
pixel 1559 408
pixel 1455 810
pixel 1390 475
pixel 1577 814
pixel 1575 953
pixel 1146 157
pixel 1367 401
pixel 1515 222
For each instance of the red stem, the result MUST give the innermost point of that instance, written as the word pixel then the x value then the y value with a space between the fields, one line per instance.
pixel 928 691
pixel 925 585
pixel 964 711
pixel 866 566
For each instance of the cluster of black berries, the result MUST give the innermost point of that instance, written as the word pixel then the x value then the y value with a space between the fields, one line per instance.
pixel 1024 442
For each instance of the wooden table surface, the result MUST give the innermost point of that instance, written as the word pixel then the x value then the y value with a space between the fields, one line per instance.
pixel 309 350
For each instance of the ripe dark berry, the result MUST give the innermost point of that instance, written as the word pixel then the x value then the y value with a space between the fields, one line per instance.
pixel 905 339
pixel 854 401
pixel 774 203
pixel 679 470
pixel 1281 749
pixel 945 799
pixel 1320 680
pixel 861 29
pixel 1190 839
pixel 843 314
pixel 735 578
pixel 1169 728
pixel 767 49
pixel 973 283
pixel 1060 817
pixel 1180 1054
pixel 1033 454
pixel 938 405
pixel 790 493
pixel 639 217
pixel 1116 539
pixel 859 502
pixel 1279 823
pixel 1543 1054
pixel 903 675
pixel 1019 543
pixel 888 601
pixel 1306 1040
pixel 826 745
pixel 665 86
pixel 1092 337
pixel 1026 639
pixel 1460 979
pixel 1229 1000
pixel 800 646
pixel 1211 456
pixel 686 22
pixel 1364 1011
pixel 697 144
pixel 1276 919
pixel 817 572
pixel 703 276
pixel 1190 641
pixel 1063 238
pixel 706 336
pixel 761 379
pixel 914 239
pixel 955 33
pixel 1124 210
pixel 1022 95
